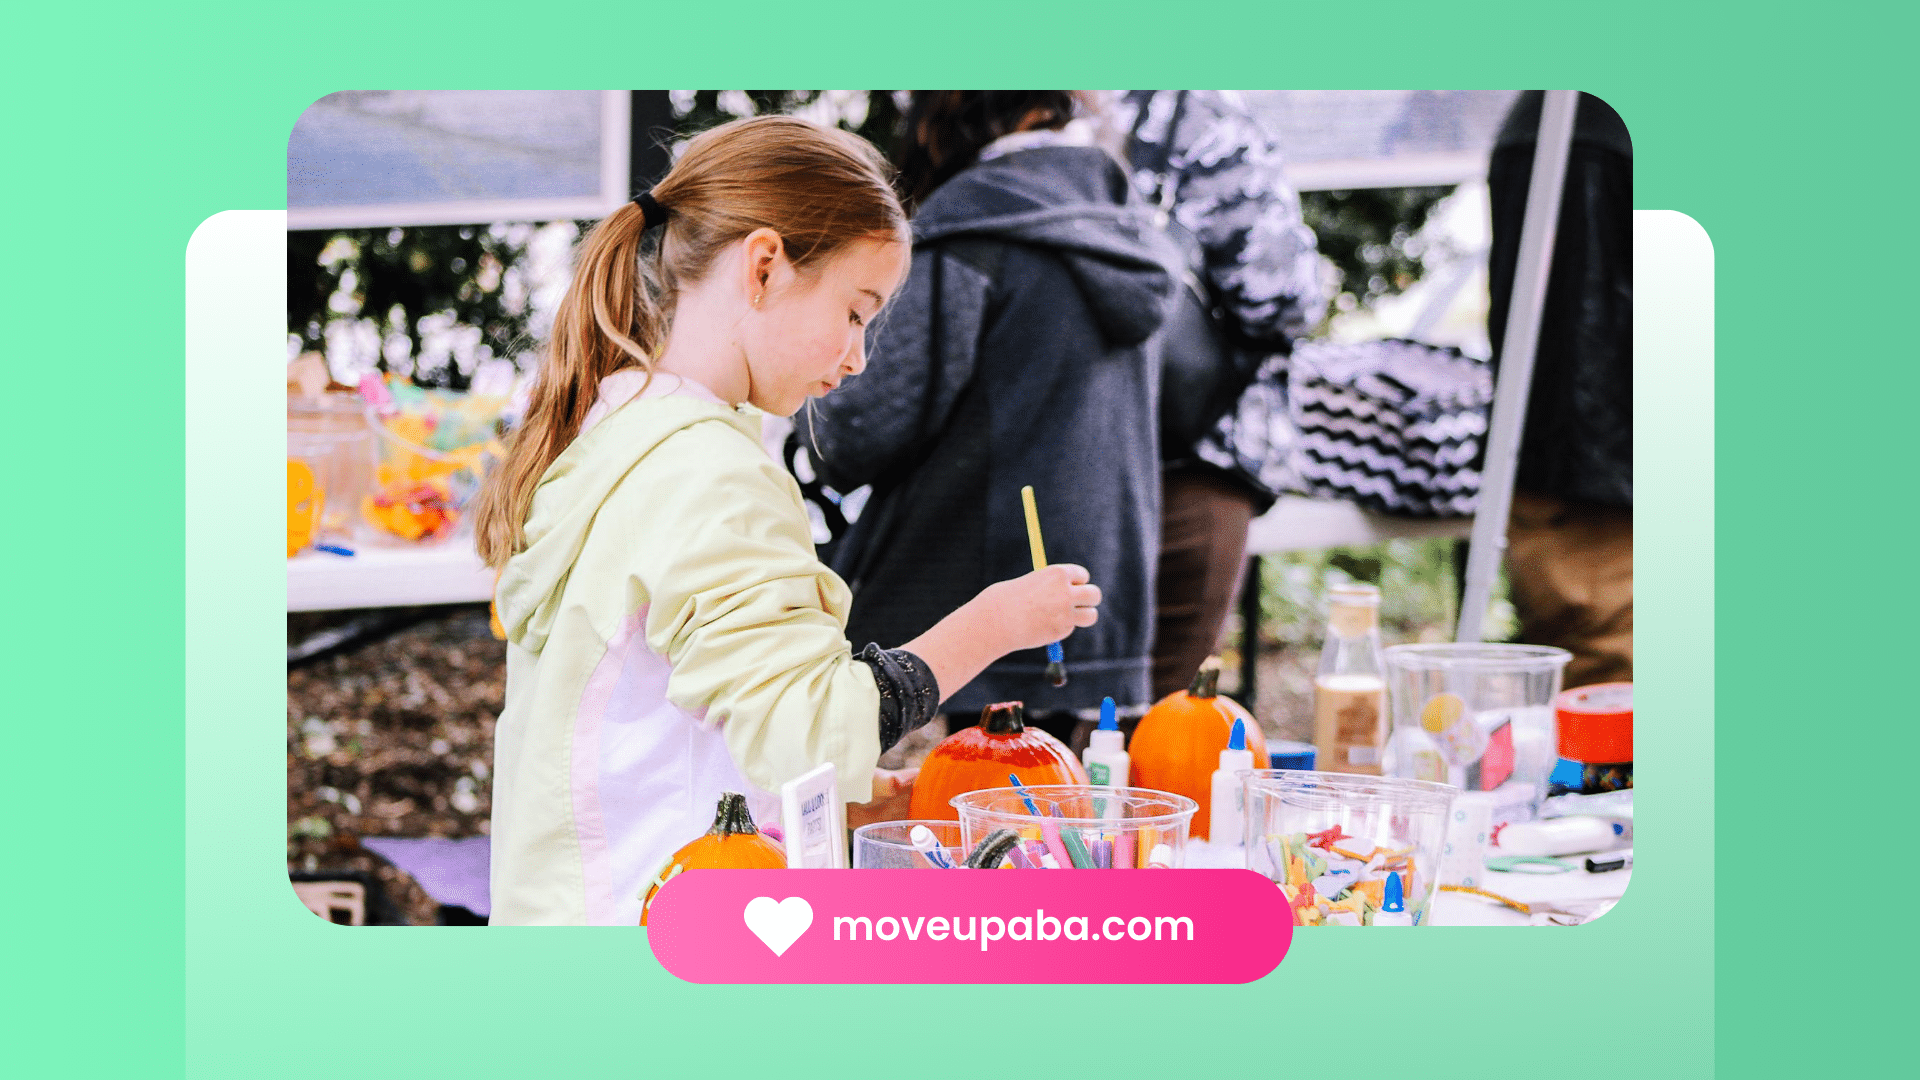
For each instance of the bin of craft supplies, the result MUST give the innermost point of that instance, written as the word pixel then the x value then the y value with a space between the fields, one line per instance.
pixel 890 845
pixel 1472 715
pixel 1331 841
pixel 430 465
pixel 1082 826
pixel 330 460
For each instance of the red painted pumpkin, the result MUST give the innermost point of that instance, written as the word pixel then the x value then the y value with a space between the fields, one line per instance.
pixel 732 843
pixel 981 757
pixel 1177 745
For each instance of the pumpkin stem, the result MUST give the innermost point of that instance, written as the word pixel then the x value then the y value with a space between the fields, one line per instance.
pixel 1004 718
pixel 1206 682
pixel 731 817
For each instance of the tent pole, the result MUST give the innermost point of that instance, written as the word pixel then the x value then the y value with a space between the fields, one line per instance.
pixel 1517 352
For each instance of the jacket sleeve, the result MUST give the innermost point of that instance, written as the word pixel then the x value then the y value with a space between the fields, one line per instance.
pixel 920 357
pixel 752 625
pixel 1262 262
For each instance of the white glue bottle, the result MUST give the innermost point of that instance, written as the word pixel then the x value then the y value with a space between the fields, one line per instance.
pixel 1106 756
pixel 1228 810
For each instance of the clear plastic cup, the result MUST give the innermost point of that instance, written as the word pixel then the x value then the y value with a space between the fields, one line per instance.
pixel 1123 827
pixel 888 845
pixel 1386 825
pixel 1476 716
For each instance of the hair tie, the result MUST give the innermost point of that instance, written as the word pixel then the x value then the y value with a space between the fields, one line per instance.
pixel 651 212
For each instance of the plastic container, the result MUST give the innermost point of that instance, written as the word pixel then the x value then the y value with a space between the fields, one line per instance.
pixel 1474 715
pixel 329 437
pixel 1290 815
pixel 888 845
pixel 420 494
pixel 1141 825
pixel 1290 755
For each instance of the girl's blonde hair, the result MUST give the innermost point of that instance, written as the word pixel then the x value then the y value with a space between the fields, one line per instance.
pixel 819 188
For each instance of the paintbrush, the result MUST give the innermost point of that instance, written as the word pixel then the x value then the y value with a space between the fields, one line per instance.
pixel 1056 658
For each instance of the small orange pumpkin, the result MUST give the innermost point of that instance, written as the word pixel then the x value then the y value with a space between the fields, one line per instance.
pixel 976 758
pixel 1177 745
pixel 732 843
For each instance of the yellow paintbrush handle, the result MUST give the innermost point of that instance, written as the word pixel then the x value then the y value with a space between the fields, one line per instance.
pixel 1033 528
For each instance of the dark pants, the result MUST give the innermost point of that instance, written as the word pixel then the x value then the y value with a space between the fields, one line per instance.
pixel 1203 550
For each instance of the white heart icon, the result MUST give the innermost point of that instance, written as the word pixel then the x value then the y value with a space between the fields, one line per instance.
pixel 778 924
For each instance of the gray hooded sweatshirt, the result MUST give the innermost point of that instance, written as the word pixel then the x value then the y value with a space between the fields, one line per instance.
pixel 1021 351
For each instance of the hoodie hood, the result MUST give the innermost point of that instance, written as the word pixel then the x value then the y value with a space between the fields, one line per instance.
pixel 570 495
pixel 1074 200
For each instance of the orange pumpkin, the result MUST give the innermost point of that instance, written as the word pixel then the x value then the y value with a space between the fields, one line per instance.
pixel 1177 745
pixel 981 757
pixel 732 843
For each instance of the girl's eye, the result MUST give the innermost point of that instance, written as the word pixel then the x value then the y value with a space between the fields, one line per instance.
pixel 857 320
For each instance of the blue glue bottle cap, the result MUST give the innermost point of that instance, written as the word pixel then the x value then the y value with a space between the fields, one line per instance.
pixel 1109 718
pixel 1392 899
pixel 1237 740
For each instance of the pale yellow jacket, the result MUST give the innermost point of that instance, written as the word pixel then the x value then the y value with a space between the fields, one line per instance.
pixel 670 635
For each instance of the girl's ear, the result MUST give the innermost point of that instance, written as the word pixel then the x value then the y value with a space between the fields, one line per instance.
pixel 764 256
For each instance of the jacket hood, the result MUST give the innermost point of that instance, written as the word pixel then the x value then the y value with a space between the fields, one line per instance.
pixel 1073 199
pixel 570 495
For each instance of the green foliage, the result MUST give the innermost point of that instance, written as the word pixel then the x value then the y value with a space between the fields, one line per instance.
pixel 1417 584
pixel 412 284
pixel 874 115
pixel 1368 234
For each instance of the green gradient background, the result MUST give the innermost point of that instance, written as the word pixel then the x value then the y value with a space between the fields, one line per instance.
pixel 127 130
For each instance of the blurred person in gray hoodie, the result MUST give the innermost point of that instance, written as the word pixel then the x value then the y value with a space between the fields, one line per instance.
pixel 1021 351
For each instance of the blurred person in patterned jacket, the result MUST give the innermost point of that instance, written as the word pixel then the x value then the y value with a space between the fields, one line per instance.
pixel 1256 284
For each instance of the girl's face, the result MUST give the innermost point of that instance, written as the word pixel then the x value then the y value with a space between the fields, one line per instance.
pixel 807 332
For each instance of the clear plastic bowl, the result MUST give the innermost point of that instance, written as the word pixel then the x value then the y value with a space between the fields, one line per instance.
pixel 1386 825
pixel 888 845
pixel 1128 823
pixel 422 493
pixel 1451 703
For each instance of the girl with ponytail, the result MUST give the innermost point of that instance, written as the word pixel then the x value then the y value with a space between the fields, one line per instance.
pixel 670 633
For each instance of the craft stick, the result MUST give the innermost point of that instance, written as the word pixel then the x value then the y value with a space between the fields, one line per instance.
pixel 1148 839
pixel 1077 851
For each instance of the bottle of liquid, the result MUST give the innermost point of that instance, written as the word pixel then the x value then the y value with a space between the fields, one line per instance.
pixel 1350 693
pixel 1229 808
pixel 1106 756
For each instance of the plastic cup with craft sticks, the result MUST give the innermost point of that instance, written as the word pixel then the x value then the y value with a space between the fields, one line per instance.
pixel 1081 826
pixel 1348 850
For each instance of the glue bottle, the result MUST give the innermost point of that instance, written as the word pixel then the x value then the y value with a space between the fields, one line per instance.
pixel 1228 809
pixel 1393 904
pixel 1106 756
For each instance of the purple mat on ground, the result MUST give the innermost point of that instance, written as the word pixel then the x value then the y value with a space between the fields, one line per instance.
pixel 451 871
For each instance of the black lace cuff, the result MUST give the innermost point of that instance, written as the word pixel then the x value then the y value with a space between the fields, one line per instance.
pixel 909 696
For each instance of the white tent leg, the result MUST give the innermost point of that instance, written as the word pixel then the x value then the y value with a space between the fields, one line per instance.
pixel 1489 542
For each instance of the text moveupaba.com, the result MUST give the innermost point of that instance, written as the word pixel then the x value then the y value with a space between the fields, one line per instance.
pixel 991 928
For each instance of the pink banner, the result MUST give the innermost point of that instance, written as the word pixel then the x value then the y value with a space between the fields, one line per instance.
pixel 969 926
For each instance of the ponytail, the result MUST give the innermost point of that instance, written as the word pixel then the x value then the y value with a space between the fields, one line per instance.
pixel 607 321
pixel 819 188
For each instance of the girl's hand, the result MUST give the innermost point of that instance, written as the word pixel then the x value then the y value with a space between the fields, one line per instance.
pixel 1040 608
pixel 1022 613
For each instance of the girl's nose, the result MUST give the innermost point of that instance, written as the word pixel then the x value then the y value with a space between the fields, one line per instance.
pixel 856 361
